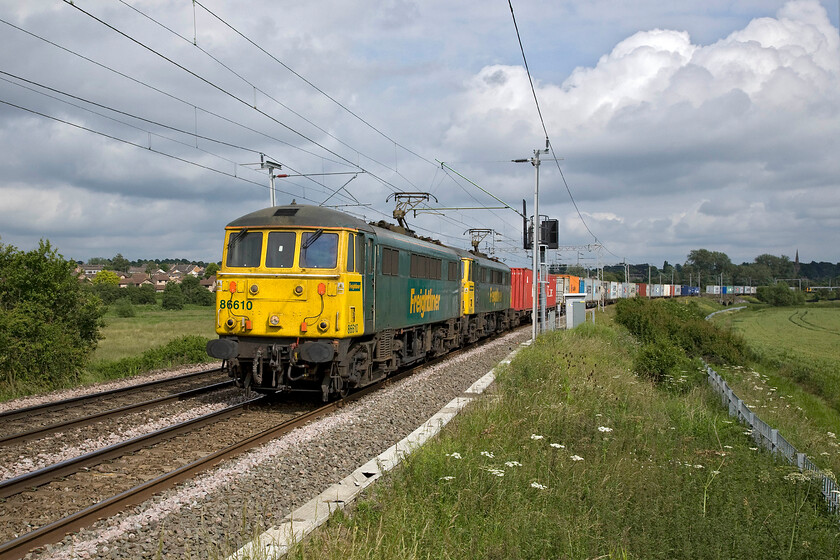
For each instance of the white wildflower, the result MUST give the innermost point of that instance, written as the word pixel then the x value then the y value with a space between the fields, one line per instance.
pixel 699 467
pixel 715 472
pixel 604 429
pixel 454 455
pixel 577 458
pixel 558 446
pixel 832 435
pixel 513 464
pixel 447 478
pixel 496 472
pixel 753 448
pixel 728 446
pixel 535 436
pixel 487 454
pixel 538 486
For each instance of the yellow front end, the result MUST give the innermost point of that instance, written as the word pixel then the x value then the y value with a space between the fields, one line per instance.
pixel 302 283
pixel 468 287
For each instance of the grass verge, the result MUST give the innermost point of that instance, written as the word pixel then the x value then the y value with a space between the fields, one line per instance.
pixel 152 339
pixel 575 456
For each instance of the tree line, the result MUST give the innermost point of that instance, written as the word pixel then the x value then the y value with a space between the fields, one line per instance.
pixel 710 267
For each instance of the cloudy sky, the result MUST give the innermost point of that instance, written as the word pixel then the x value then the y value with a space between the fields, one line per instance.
pixel 131 126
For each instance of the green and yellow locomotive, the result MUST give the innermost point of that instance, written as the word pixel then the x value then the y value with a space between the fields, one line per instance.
pixel 313 299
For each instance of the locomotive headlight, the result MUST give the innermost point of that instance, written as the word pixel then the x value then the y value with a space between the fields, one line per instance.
pixel 298 289
pixel 274 320
pixel 253 288
pixel 230 323
pixel 323 326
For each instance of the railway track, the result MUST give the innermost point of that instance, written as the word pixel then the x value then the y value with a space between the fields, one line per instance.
pixel 248 424
pixel 25 419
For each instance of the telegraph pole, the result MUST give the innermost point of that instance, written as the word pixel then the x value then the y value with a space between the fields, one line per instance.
pixel 535 161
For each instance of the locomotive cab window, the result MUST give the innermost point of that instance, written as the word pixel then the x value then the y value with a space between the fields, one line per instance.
pixel 244 248
pixel 351 252
pixel 280 252
pixel 318 249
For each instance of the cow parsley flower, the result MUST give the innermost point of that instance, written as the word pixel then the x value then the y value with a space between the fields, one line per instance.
pixel 454 455
pixel 558 446
pixel 538 486
pixel 604 429
pixel 447 478
pixel 535 436
pixel 577 458
pixel 487 454
pixel 513 464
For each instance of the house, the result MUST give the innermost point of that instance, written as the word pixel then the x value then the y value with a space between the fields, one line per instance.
pixel 160 281
pixel 183 269
pixel 137 279
pixel 91 270
pixel 209 283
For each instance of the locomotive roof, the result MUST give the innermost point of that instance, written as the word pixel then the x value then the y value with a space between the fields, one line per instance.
pixel 302 215
pixel 299 215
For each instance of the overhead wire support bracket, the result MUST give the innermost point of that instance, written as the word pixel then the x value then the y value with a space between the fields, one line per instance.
pixel 478 235
pixel 407 202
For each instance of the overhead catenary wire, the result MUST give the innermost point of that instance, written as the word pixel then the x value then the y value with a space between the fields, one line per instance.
pixel 246 103
pixel 396 144
pixel 545 130
pixel 136 145
pixel 265 93
pixel 225 92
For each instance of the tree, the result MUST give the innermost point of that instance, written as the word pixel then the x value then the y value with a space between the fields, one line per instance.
pixel 211 270
pixel 173 298
pixel 151 268
pixel 49 325
pixel 106 277
pixel 194 292
pixel 120 263
pixel 780 294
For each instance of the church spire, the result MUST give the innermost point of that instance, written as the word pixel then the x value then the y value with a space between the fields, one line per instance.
pixel 796 264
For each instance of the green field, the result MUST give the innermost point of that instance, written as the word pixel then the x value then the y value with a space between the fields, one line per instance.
pixel 802 342
pixel 152 326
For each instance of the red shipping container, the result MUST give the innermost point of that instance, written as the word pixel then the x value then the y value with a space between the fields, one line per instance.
pixel 642 290
pixel 521 291
pixel 551 292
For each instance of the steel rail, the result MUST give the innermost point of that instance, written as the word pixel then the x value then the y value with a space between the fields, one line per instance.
pixel 66 403
pixel 55 531
pixel 87 420
pixel 70 466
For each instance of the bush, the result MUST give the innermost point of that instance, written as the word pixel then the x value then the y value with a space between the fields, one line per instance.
pixel 48 324
pixel 123 308
pixel 780 295
pixel 144 295
pixel 173 298
pixel 684 326
pixel 107 292
pixel 184 350
pixel 195 293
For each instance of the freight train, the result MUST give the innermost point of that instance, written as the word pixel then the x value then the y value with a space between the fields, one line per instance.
pixel 311 299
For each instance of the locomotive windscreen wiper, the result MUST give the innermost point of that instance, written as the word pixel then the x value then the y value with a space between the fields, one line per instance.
pixel 234 237
pixel 312 238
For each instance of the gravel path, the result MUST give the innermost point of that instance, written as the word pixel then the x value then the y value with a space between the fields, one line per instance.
pixel 216 513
